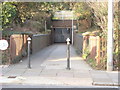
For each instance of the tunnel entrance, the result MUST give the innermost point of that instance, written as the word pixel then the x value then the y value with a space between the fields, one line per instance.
pixel 62 26
pixel 61 34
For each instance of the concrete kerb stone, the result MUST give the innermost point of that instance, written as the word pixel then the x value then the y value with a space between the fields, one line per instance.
pixel 6 80
pixel 107 80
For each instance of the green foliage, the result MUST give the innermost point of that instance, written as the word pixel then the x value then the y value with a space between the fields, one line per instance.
pixel 17 59
pixel 5 57
pixel 19 12
pixel 8 14
pixel 103 63
pixel 0 16
pixel 86 53
pixel 82 10
pixel 9 33
pixel 101 66
pixel 92 63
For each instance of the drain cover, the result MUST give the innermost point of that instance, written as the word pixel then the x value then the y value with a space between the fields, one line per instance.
pixel 12 76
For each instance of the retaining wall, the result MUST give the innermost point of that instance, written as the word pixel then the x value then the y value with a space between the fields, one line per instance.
pixel 78 42
pixel 40 41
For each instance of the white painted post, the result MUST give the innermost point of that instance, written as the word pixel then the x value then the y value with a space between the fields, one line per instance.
pixel 110 37
pixel 0 38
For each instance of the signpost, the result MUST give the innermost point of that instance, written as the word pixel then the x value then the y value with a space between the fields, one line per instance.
pixel 3 44
pixel 68 53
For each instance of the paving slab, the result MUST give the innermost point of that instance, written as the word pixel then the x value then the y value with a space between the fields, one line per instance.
pixel 15 72
pixel 82 75
pixel 65 74
pixel 105 78
pixel 32 72
pixel 49 73
pixel 115 77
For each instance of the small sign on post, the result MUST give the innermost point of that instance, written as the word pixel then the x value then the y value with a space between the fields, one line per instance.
pixel 3 44
pixel 68 53
pixel 29 41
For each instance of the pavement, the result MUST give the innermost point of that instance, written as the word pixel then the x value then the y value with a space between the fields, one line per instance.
pixel 48 67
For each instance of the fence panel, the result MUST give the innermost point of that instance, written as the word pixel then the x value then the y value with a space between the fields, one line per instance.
pixel 92 46
pixel 17 47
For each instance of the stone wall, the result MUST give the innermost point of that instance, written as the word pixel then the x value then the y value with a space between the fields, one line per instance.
pixel 78 43
pixel 40 41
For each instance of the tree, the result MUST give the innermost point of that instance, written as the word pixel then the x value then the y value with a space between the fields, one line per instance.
pixel 8 14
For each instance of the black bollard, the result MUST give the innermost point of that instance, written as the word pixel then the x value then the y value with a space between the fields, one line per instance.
pixel 68 53
pixel 29 41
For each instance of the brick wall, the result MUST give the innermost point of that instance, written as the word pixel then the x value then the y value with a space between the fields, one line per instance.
pixel 63 23
pixel 39 42
pixel 78 42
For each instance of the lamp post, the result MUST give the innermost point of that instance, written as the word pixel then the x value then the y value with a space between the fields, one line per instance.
pixel 68 53
pixel 29 41
pixel 72 29
pixel 110 36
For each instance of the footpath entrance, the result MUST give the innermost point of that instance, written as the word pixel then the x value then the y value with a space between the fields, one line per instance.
pixel 49 68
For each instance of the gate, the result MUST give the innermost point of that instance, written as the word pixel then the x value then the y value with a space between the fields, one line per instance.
pixel 61 34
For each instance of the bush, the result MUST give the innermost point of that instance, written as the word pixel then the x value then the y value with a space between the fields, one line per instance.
pixel 91 62
pixel 86 53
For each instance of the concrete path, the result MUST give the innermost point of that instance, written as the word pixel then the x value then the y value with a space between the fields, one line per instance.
pixel 49 68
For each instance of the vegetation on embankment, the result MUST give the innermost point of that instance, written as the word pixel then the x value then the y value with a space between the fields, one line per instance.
pixel 100 19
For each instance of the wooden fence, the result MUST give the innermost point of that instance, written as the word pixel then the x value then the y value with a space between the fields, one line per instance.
pixel 96 46
pixel 16 50
pixel 18 46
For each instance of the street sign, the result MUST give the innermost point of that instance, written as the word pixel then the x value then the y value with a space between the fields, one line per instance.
pixel 3 44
